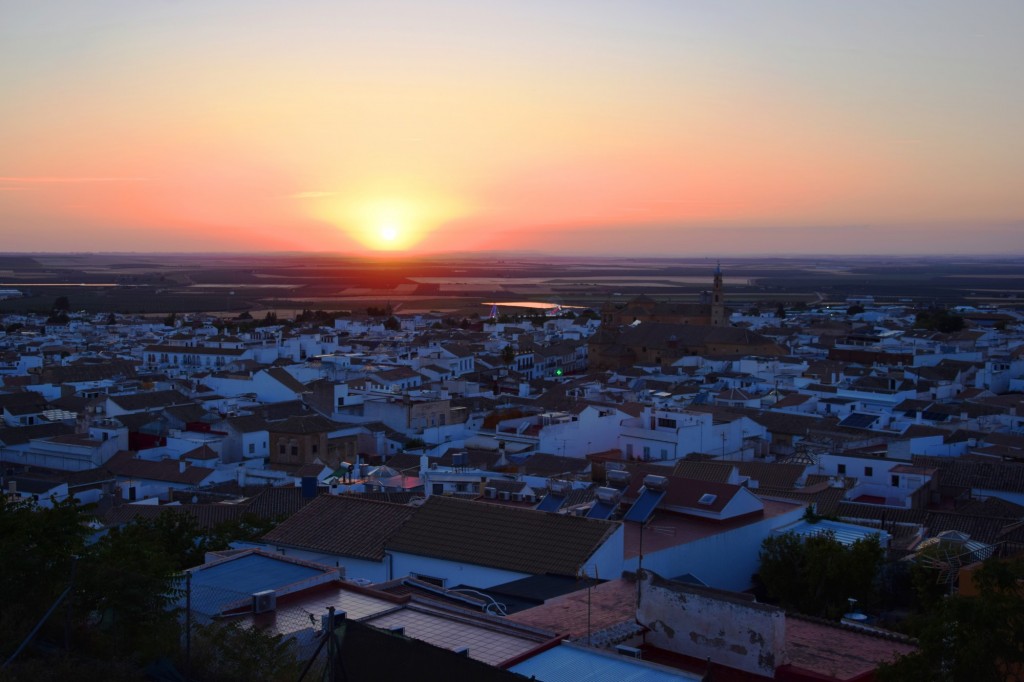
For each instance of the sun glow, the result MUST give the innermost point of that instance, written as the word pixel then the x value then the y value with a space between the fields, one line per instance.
pixel 387 223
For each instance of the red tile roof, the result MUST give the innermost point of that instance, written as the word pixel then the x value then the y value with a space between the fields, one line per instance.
pixel 499 536
pixel 342 525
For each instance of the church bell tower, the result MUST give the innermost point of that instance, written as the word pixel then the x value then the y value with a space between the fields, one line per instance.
pixel 718 300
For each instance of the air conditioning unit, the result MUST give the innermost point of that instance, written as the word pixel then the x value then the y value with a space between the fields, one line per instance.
pixel 490 492
pixel 264 601
pixel 517 497
pixel 630 651
pixel 505 495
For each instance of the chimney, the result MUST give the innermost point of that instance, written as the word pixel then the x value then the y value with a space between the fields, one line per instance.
pixel 181 466
pixel 424 468
pixel 12 487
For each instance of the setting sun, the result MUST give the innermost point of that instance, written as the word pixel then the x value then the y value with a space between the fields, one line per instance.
pixel 389 236
pixel 386 222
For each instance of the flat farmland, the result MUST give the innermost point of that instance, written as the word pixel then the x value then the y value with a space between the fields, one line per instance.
pixel 233 283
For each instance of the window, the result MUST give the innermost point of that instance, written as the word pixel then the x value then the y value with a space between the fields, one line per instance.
pixel 841 468
pixel 252 448
pixel 895 481
pixel 664 453
pixel 868 471
pixel 647 452
pixel 315 447
pixel 280 448
pixel 629 449
pixel 295 451
pixel 667 423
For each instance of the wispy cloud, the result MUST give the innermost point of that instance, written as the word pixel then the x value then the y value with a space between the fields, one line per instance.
pixel 311 195
pixel 58 180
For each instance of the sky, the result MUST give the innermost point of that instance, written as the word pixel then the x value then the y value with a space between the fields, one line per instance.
pixel 626 127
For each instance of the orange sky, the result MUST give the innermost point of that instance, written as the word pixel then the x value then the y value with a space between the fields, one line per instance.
pixel 596 127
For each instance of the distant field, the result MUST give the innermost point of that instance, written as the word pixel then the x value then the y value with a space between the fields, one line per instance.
pixel 235 283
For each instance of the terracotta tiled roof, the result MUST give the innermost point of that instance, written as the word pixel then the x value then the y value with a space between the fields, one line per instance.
pixel 772 474
pixel 686 493
pixel 204 452
pixel 993 507
pixel 125 464
pixel 543 464
pixel 825 499
pixel 402 498
pixel 574 614
pixel 840 653
pixel 247 423
pixel 287 380
pixel 343 525
pixel 22 434
pixel 990 475
pixel 195 350
pixel 303 425
pixel 703 471
pixel 205 515
pixel 500 536
pixel 149 400
pixel 792 400
pixel 277 502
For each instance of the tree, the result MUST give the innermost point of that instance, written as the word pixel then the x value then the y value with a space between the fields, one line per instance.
pixel 940 321
pixel 120 594
pixel 37 550
pixel 392 324
pixel 508 354
pixel 171 320
pixel 129 585
pixel 978 638
pixel 111 318
pixel 780 311
pixel 855 309
pixel 62 303
pixel 816 575
pixel 231 653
